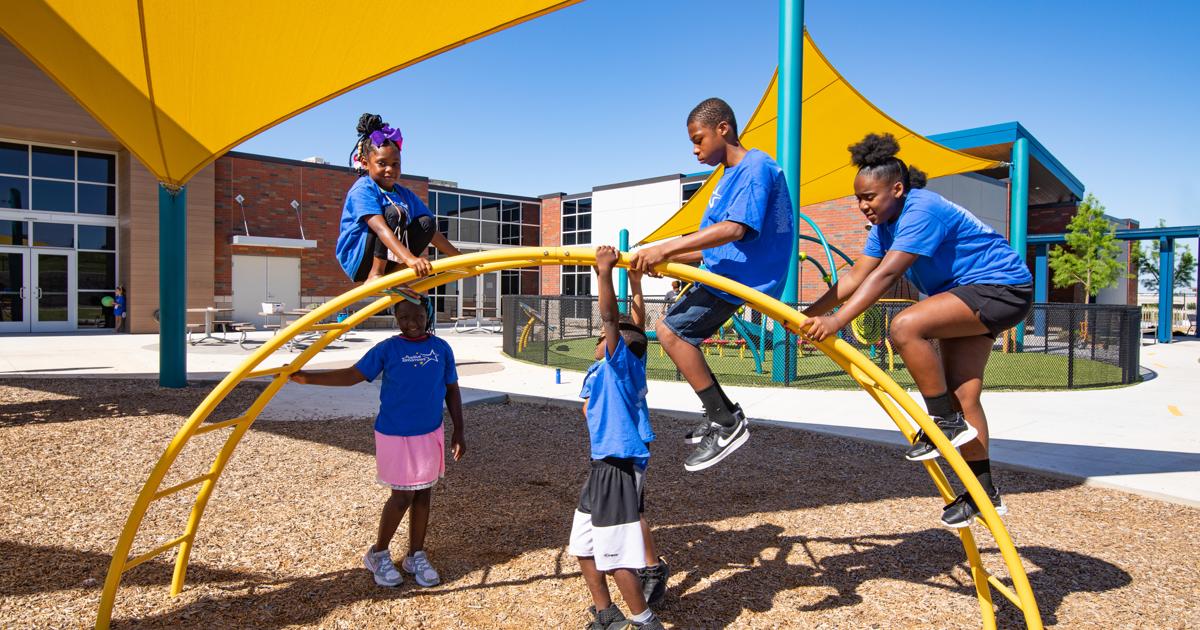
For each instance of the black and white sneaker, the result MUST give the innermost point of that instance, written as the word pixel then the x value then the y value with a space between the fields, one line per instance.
pixel 718 442
pixel 962 509
pixel 654 582
pixel 697 432
pixel 955 427
pixel 653 624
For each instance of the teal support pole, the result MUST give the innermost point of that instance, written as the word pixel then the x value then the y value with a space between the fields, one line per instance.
pixel 172 287
pixel 623 275
pixel 1166 287
pixel 1041 286
pixel 1018 218
pixel 787 154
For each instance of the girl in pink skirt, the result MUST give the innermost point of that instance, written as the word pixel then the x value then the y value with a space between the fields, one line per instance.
pixel 419 375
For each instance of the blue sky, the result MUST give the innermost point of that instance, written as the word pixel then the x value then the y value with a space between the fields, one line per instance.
pixel 597 93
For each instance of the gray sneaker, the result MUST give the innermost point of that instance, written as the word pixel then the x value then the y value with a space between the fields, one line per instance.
pixel 423 573
pixel 379 563
pixel 601 620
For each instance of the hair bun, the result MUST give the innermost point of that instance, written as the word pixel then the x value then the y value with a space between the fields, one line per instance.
pixel 368 123
pixel 916 177
pixel 874 150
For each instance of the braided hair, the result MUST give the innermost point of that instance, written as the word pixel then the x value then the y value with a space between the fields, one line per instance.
pixel 426 305
pixel 363 147
pixel 875 155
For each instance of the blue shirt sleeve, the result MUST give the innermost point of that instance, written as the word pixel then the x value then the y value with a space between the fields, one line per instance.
pixel 372 362
pixel 873 248
pixel 919 232
pixel 363 201
pixel 749 205
pixel 451 369
pixel 586 391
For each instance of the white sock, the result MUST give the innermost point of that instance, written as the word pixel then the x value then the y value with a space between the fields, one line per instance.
pixel 645 617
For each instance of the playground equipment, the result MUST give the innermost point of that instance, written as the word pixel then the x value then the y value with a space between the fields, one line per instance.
pixel 895 402
pixel 871 328
pixel 535 318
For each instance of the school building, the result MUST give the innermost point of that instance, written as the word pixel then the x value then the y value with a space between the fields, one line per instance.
pixel 78 217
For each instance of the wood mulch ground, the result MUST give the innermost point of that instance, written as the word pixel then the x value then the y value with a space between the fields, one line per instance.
pixel 795 530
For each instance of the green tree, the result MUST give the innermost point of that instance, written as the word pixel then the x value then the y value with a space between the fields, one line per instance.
pixel 1091 257
pixel 1147 264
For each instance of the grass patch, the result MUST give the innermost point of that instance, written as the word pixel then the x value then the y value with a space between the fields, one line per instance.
pixel 1005 371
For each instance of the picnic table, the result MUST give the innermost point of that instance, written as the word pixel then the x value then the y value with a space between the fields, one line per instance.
pixel 210 321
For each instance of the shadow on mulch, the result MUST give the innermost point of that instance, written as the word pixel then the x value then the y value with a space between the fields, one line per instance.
pixel 74 399
pixel 29 574
pixel 519 483
pixel 924 557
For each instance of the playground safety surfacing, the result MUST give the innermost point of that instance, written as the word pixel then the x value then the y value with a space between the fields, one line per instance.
pixel 795 530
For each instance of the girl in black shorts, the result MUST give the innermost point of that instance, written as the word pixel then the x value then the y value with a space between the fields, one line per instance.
pixel 977 286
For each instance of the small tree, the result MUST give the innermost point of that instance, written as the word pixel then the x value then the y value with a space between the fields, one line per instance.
pixel 1147 265
pixel 1092 252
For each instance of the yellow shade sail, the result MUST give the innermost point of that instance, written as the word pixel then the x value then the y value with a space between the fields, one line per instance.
pixel 833 116
pixel 180 82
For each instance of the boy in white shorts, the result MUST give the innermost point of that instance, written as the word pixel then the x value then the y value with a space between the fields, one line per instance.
pixel 608 535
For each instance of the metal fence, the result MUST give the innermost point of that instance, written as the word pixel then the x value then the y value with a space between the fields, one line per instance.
pixel 1060 346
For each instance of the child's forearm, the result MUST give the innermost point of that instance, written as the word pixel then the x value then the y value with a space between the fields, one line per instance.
pixel 335 378
pixel 711 236
pixel 454 406
pixel 638 310
pixel 444 245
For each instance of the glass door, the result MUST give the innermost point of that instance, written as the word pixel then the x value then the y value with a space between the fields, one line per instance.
pixel 53 292
pixel 489 295
pixel 14 289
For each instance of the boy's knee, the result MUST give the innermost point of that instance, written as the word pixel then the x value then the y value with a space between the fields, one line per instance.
pixel 664 332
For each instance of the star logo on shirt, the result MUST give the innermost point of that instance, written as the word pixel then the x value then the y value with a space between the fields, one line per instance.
pixel 421 358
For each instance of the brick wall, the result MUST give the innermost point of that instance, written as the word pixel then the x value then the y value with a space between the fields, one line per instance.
pixel 552 237
pixel 269 185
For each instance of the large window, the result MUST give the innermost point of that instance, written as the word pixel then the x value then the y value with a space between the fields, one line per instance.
pixel 52 179
pixel 486 220
pixel 576 280
pixel 577 221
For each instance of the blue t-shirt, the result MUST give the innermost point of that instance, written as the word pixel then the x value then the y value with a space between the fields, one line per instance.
pixel 364 199
pixel 954 248
pixel 119 305
pixel 755 194
pixel 416 373
pixel 618 418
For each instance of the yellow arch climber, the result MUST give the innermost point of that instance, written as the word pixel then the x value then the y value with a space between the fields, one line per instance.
pixel 895 402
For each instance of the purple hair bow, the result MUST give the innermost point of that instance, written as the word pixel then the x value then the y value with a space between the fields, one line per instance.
pixel 379 136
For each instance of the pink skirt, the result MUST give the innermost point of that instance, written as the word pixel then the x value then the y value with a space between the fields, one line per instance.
pixel 410 462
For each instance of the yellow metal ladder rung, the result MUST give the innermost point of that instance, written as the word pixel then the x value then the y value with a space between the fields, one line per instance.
pixel 326 327
pixel 183 486
pixel 1004 590
pixel 216 426
pixel 129 564
pixel 268 372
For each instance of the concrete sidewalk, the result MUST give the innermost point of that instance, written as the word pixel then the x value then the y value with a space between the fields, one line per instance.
pixel 1143 439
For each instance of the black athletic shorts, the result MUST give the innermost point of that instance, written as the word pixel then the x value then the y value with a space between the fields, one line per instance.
pixel 416 236
pixel 999 306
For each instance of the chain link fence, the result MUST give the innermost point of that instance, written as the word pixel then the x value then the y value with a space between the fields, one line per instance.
pixel 1060 346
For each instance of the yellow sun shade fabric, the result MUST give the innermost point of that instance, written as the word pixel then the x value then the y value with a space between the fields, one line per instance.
pixel 833 116
pixel 180 82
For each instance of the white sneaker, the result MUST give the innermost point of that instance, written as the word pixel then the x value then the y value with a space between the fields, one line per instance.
pixel 423 572
pixel 380 564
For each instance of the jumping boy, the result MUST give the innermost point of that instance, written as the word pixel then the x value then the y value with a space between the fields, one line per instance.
pixel 745 236
pixel 608 535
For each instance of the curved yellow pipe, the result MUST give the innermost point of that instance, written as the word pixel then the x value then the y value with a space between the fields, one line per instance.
pixel 894 401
